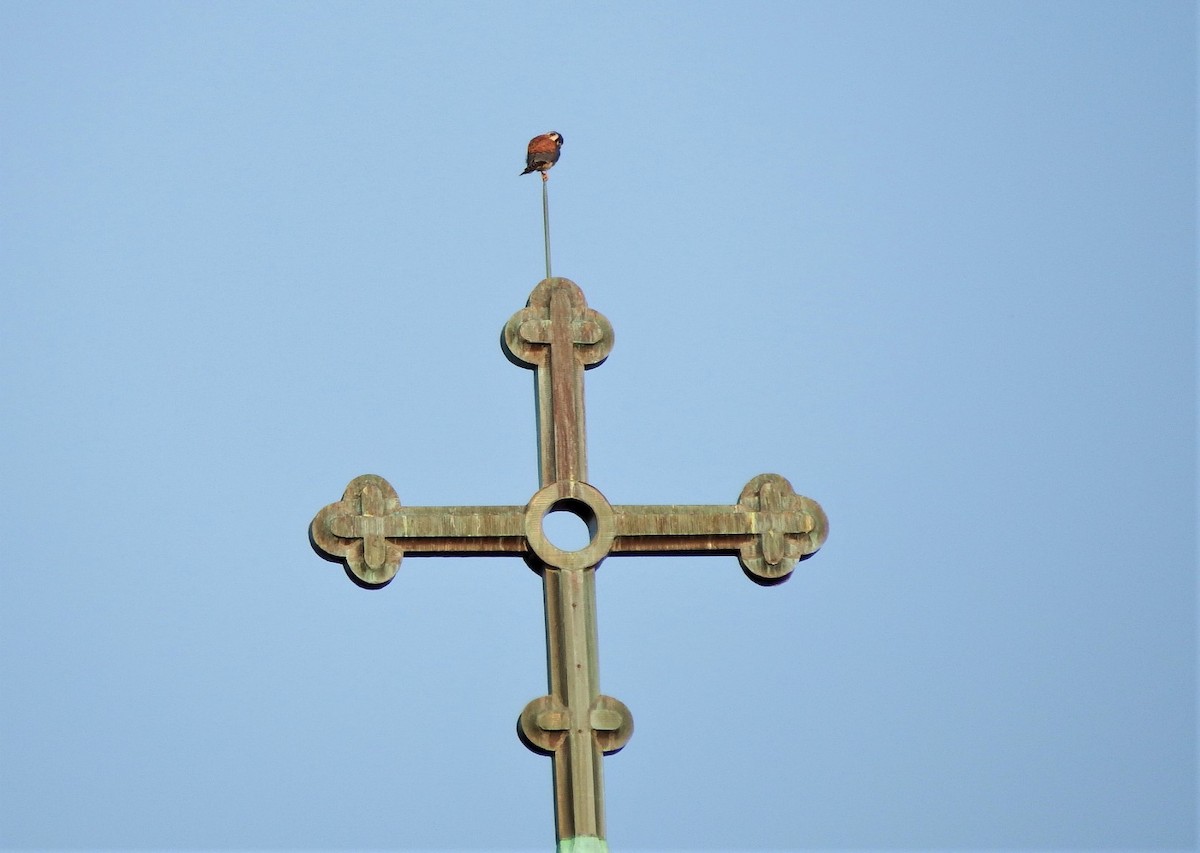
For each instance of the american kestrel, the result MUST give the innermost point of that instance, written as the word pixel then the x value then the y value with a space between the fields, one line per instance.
pixel 543 153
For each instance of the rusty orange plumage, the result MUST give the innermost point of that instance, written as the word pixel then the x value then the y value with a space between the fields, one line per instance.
pixel 543 153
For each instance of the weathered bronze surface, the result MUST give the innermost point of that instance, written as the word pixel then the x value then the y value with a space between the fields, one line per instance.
pixel 769 529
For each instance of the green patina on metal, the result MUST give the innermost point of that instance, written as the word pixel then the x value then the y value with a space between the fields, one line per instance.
pixel 769 529
pixel 582 844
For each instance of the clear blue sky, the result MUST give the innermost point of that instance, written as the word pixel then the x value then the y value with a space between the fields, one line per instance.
pixel 934 262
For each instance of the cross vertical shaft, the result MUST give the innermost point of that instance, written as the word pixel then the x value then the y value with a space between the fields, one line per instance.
pixel 572 674
pixel 567 459
pixel 558 337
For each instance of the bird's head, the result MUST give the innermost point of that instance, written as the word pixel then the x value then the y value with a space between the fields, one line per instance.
pixel 556 136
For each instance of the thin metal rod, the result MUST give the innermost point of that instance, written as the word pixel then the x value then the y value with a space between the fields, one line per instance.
pixel 546 221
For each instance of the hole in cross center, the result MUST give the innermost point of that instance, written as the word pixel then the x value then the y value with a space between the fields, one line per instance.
pixel 566 529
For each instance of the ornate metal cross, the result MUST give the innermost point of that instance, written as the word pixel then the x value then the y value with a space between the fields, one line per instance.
pixel 770 528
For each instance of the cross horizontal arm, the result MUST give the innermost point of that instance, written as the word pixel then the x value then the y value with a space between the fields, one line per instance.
pixel 370 532
pixel 440 529
pixel 770 528
pixel 693 529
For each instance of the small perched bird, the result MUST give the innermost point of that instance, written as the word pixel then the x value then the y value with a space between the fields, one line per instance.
pixel 543 153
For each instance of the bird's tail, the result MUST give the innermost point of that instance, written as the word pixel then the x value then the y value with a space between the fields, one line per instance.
pixel 528 169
